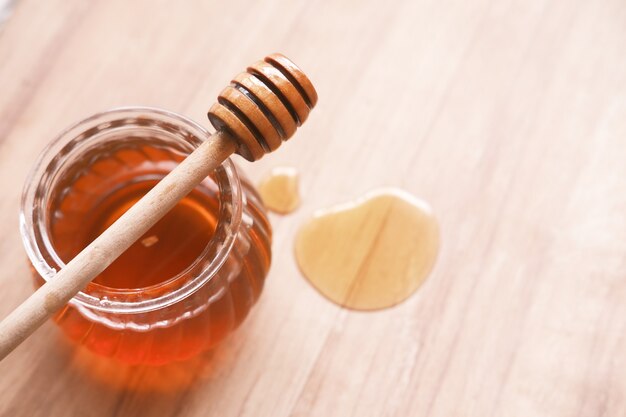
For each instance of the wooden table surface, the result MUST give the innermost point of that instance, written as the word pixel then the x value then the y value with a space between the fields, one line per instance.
pixel 509 117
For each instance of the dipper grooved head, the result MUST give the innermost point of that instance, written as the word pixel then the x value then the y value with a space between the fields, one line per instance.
pixel 264 106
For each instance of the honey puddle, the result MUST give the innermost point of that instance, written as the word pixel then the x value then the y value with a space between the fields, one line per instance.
pixel 371 253
pixel 279 190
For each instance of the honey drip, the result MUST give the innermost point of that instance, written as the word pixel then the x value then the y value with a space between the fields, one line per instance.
pixel 371 253
pixel 279 190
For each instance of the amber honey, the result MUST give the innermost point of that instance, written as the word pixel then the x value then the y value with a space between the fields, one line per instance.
pixel 183 286
pixel 166 250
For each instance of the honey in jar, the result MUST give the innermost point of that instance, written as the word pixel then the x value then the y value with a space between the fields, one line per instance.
pixel 184 285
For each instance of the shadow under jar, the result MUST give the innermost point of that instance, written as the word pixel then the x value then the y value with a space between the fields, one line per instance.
pixel 189 281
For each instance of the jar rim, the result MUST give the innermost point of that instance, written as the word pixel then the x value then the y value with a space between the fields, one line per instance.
pixel 228 224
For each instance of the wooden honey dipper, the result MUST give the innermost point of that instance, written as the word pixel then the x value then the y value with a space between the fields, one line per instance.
pixel 260 109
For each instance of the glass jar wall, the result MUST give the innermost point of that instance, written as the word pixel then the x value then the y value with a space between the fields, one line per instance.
pixel 184 285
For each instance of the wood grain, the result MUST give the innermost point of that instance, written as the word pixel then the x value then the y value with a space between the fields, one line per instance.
pixel 508 117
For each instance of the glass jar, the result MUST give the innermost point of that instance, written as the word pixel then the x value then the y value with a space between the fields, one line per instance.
pixel 181 314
